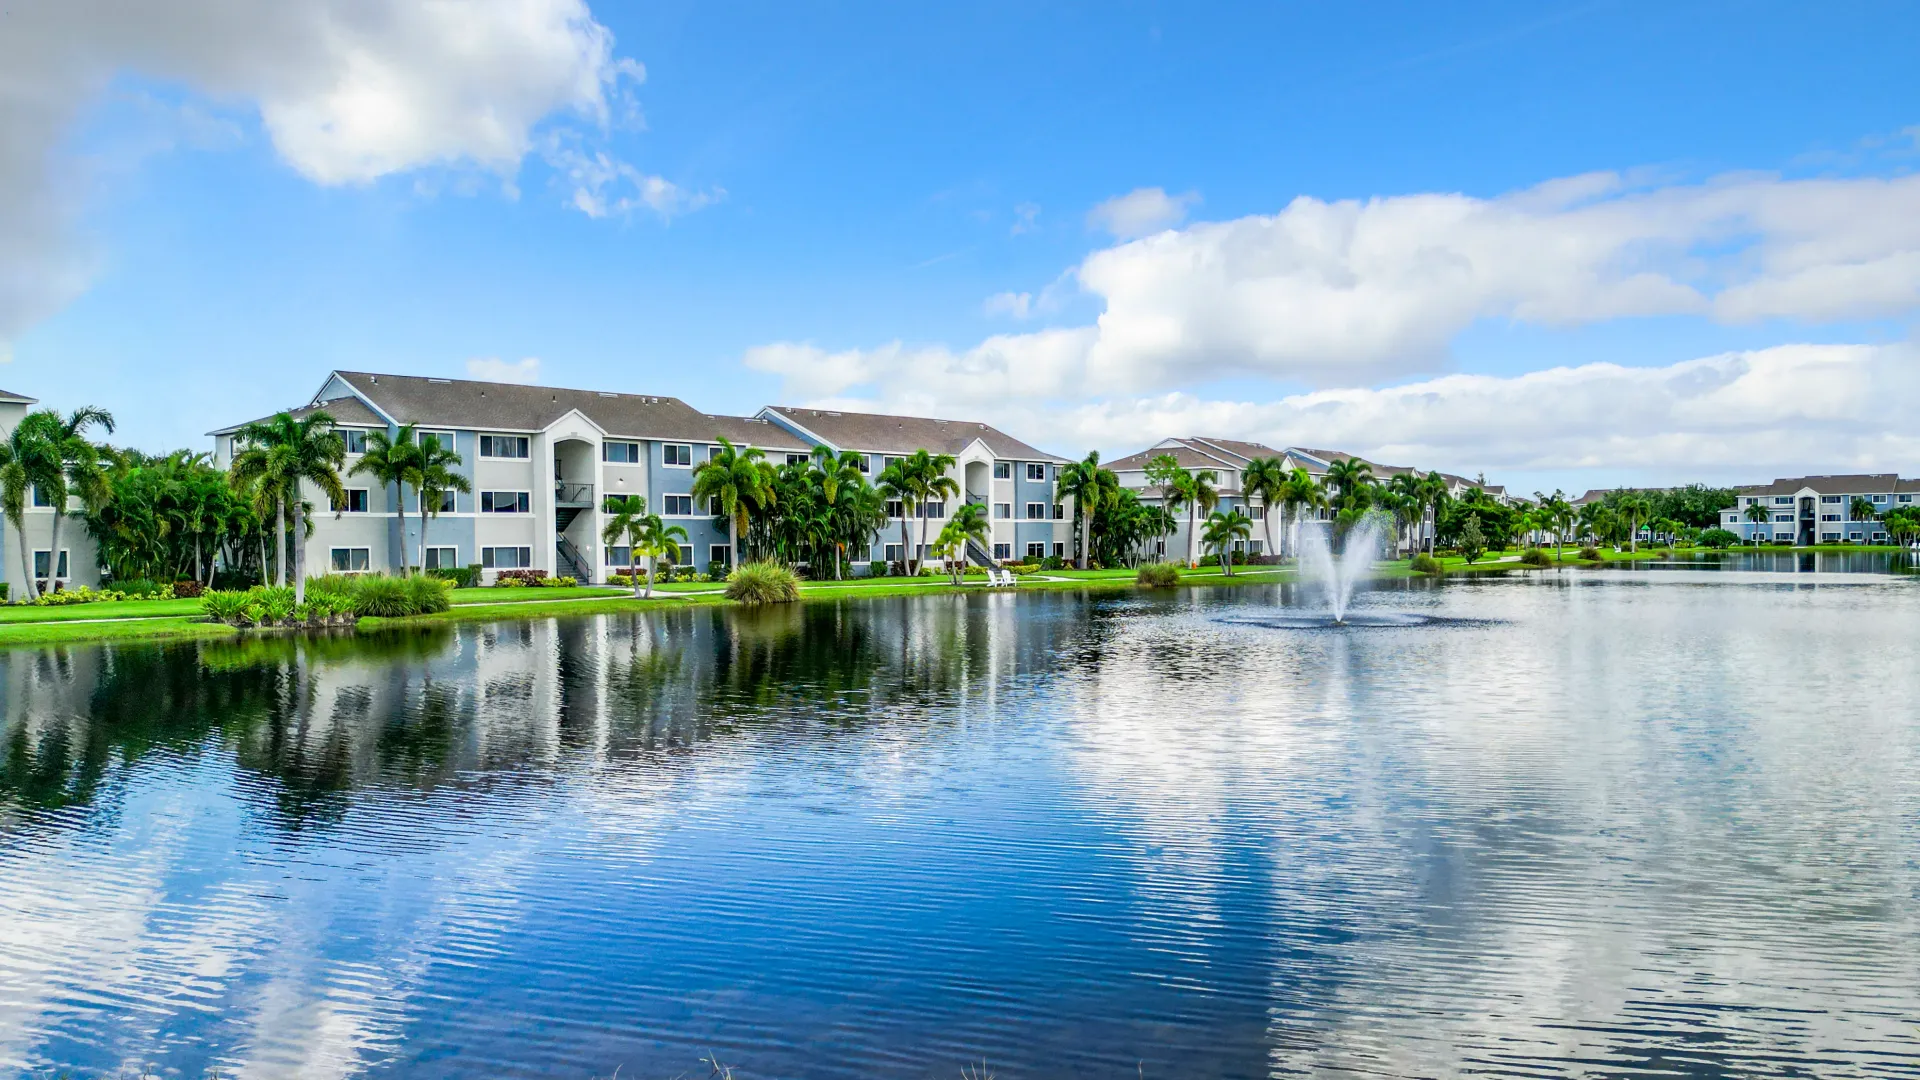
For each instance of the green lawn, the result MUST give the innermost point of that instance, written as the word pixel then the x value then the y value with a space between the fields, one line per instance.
pixel 57 633
pixel 495 595
pixel 104 609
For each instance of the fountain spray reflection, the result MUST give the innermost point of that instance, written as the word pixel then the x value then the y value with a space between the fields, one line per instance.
pixel 1338 574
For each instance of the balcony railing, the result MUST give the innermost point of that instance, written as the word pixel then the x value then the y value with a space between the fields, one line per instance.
pixel 573 494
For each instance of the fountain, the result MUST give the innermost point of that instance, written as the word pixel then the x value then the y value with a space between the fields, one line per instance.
pixel 1338 574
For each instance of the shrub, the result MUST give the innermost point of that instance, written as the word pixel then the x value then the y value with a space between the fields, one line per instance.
pixel 1158 575
pixel 86 595
pixel 188 589
pixel 1590 553
pixel 562 582
pixel 225 605
pixel 974 571
pixel 132 587
pixel 1536 557
pixel 762 583
pixel 717 570
pixel 1717 538
pixel 1022 568
pixel 1424 563
pixel 1053 562
pixel 460 577
pixel 5 588
pixel 518 577
pixel 382 596
pixel 427 595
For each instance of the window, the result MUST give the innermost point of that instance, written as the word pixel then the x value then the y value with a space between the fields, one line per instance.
pixel 442 558
pixel 40 499
pixel 1906 498
pixel 356 502
pixel 887 462
pixel 894 509
pixel 444 438
pixel 685 558
pixel 1782 517
pixel 1002 511
pixel 894 552
pixel 1785 538
pixel 1036 471
pixel 677 505
pixel 42 559
pixel 713 506
pixel 446 503
pixel 1059 550
pixel 1002 552
pixel 1036 550
pixel 1783 500
pixel 1260 512
pixel 1003 470
pixel 1059 511
pixel 934 508
pixel 506 558
pixel 1829 517
pixel 619 555
pixel 506 502
pixel 349 560
pixel 503 446
pixel 1829 538
pixel 1854 536
pixel 1036 511
pixel 720 553
pixel 355 439
pixel 1879 498
pixel 679 455
pixel 1159 547
pixel 1253 547
pixel 1830 499
pixel 797 459
pixel 620 453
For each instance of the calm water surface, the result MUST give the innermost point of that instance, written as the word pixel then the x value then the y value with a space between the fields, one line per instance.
pixel 1637 823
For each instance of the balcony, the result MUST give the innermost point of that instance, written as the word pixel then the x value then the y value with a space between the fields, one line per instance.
pixel 565 494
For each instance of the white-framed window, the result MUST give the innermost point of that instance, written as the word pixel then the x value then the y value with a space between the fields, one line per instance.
pixel 1260 512
pixel 1829 517
pixel 678 455
pixel 1906 498
pixel 1829 538
pixel 798 459
pixel 1036 511
pixel 934 508
pixel 43 562
pixel 40 498
pixel 1036 550
pixel 860 463
pixel 893 552
pixel 620 555
pixel 447 503
pixel 1783 500
pixel 1778 518
pixel 1879 498
pixel 1059 549
pixel 506 502
pixel 1785 537
pixel 887 463
pixel 1036 471
pixel 714 509
pixel 620 453
pixel 676 505
pixel 719 553
pixel 506 558
pixel 1002 552
pixel 355 502
pixel 349 560
pixel 443 558
pixel 895 509
pixel 1003 470
pixel 1831 499
pixel 1002 511
pixel 1253 547
pixel 503 446
pixel 355 440
pixel 1855 537
pixel 1059 511
pixel 686 555
pixel 1159 547
pixel 444 438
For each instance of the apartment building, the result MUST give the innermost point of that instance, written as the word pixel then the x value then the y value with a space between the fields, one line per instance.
pixel 1819 509
pixel 543 463
pixel 76 563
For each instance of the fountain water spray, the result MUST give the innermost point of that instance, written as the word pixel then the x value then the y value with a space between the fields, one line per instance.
pixel 1338 575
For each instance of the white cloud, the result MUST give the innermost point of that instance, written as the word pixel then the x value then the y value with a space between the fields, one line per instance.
pixel 1140 212
pixel 1026 216
pixel 1018 305
pixel 347 90
pixel 603 185
pixel 494 369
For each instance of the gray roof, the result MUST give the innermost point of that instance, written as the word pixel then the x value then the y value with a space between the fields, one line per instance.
pixel 765 434
pixel 8 395
pixel 1838 484
pixel 876 433
pixel 346 412
pixel 1197 452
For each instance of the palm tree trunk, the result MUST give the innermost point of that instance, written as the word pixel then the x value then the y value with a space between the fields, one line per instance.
pixel 906 542
pixel 299 568
pixel 263 558
pixel 733 547
pixel 53 555
pixel 280 530
pixel 196 556
pixel 631 569
pixel 400 505
pixel 26 561
pixel 1193 539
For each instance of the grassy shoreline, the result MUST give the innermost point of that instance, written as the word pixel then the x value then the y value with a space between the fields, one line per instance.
pixel 156 619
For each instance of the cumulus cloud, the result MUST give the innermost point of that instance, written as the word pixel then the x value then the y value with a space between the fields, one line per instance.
pixel 1140 212
pixel 494 369
pixel 348 91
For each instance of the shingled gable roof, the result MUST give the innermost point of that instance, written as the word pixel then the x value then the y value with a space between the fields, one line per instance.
pixel 19 399
pixel 878 433
pixel 346 411
pixel 1839 484
pixel 1195 452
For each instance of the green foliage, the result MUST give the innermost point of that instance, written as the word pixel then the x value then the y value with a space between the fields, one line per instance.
pixel 1696 504
pixel 1590 553
pixel 1158 575
pixel 1425 564
pixel 395 597
pixel 460 577
pixel 1717 538
pixel 1471 541
pixel 564 581
pixel 763 582
pixel 1536 557
pixel 84 595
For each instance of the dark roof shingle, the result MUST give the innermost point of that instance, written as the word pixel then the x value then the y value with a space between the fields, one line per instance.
pixel 878 433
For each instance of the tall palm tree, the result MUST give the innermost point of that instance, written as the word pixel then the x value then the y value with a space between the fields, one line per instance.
pixel 896 486
pixel 834 472
pixel 435 481
pixel 1409 488
pixel 1434 487
pixel 1091 488
pixel 395 463
pixel 68 465
pixel 1299 493
pixel 1223 528
pixel 927 475
pixel 1862 509
pixel 280 454
pixel 23 456
pixel 643 532
pixel 1760 514
pixel 1197 493
pixel 1264 477
pixel 742 481
pixel 1346 478
pixel 969 522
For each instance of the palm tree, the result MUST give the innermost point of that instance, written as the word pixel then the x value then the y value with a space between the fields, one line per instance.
pixel 68 464
pixel 1264 477
pixel 1758 513
pixel 280 454
pixel 1091 488
pixel 1197 493
pixel 1298 493
pixel 1556 514
pixel 22 456
pixel 1223 528
pixel 660 542
pixel 1863 510
pixel 1347 477
pixel 628 520
pixel 395 463
pixel 927 478
pixel 969 522
pixel 1409 489
pixel 742 482
pixel 896 486
pixel 1636 507
pixel 435 481
pixel 1434 486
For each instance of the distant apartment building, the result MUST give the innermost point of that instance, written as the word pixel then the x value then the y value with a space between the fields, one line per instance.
pixel 1819 509
pixel 77 562
pixel 543 463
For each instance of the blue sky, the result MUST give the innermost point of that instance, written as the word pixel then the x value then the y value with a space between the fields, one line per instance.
pixel 846 177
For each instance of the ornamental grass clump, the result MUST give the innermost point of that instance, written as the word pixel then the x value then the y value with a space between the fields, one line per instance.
pixel 1590 553
pixel 1424 563
pixel 1536 557
pixel 758 583
pixel 1158 575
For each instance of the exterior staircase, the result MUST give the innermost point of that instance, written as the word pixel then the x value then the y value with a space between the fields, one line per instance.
pixel 980 556
pixel 571 563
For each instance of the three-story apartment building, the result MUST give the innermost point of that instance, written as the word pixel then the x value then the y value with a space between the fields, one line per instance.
pixel 76 563
pixel 543 463
pixel 1810 510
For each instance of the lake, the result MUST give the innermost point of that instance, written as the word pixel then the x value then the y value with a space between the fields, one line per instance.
pixel 1636 822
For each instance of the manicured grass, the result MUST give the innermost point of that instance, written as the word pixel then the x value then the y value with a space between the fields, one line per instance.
pixel 494 595
pixel 59 633
pixel 104 609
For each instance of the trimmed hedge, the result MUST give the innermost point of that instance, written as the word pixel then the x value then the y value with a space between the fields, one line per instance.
pixel 1158 575
pixel 757 583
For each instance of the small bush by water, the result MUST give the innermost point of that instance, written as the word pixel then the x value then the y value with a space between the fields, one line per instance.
pixel 1590 553
pixel 763 583
pixel 1158 575
pixel 1424 563
pixel 333 600
pixel 1536 557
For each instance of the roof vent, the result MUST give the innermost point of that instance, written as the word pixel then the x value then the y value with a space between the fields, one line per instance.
pixel 603 393
pixel 445 382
